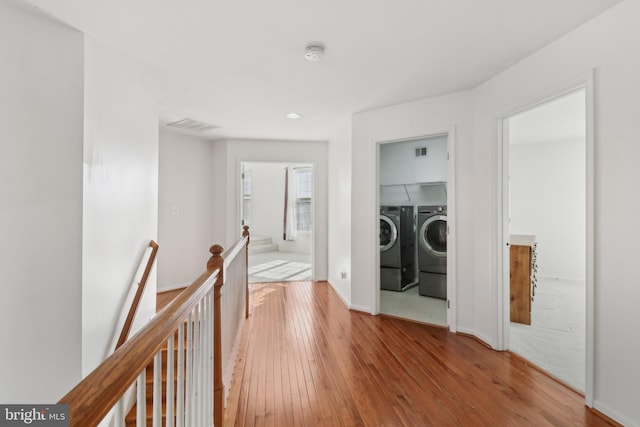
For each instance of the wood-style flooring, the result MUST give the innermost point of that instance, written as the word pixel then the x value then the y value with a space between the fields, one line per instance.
pixel 306 360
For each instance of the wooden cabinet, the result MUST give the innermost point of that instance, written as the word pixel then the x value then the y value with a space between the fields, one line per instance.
pixel 522 274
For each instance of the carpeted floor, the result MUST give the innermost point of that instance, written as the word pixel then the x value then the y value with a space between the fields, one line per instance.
pixel 279 266
pixel 555 340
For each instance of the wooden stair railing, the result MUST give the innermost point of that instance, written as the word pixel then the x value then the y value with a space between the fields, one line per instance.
pixel 188 333
pixel 126 328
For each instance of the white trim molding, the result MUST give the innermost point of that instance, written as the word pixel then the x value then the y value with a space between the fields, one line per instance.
pixel 584 82
pixel 450 133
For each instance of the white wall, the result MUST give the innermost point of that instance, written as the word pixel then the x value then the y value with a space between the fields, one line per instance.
pixel 547 199
pixel 604 44
pixel 399 165
pixel 220 190
pixel 185 208
pixel 248 150
pixel 120 193
pixel 416 119
pixel 409 180
pixel 267 205
pixel 340 213
pixel 41 83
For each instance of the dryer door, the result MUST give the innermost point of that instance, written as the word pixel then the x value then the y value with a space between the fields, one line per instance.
pixel 388 233
pixel 433 236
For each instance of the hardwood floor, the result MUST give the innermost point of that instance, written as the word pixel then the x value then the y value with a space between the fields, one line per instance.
pixel 308 361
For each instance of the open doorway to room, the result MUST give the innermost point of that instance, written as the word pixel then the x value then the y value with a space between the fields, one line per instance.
pixel 414 229
pixel 546 189
pixel 277 205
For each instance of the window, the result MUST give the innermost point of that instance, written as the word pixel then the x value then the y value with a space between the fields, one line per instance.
pixel 246 198
pixel 303 190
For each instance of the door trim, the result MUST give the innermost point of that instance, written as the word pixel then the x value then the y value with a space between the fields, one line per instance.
pixel 240 164
pixel 584 82
pixel 451 222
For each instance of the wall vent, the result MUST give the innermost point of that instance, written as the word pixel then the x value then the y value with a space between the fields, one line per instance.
pixel 421 151
pixel 193 125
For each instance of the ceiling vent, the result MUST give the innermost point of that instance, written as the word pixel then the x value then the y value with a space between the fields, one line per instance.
pixel 421 151
pixel 314 52
pixel 192 125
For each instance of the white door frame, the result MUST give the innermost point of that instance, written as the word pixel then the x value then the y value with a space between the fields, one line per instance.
pixel 585 82
pixel 451 224
pixel 241 165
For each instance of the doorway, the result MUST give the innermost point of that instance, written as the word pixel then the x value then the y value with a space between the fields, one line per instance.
pixel 277 204
pixel 414 229
pixel 546 199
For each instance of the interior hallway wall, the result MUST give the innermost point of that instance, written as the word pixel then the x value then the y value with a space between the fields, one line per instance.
pixel 120 197
pixel 339 154
pixel 185 208
pixel 41 82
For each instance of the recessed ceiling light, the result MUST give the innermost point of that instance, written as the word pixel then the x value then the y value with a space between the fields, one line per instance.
pixel 314 52
pixel 294 115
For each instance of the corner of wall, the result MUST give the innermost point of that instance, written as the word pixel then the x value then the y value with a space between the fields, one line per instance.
pixel 339 213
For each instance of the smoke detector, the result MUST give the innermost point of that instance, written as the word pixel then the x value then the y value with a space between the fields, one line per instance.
pixel 314 52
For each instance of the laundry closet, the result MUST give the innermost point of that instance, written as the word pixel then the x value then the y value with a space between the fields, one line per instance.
pixel 413 229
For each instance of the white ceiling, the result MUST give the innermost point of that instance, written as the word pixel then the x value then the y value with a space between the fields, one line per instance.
pixel 240 64
pixel 563 119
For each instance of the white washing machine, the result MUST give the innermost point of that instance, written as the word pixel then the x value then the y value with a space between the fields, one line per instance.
pixel 432 251
pixel 397 248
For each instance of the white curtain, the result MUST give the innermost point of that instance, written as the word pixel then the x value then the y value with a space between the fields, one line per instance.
pixel 289 232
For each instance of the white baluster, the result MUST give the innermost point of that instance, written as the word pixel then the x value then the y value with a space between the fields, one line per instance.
pixel 189 373
pixel 209 375
pixel 118 414
pixel 196 367
pixel 141 411
pixel 157 390
pixel 180 384
pixel 203 364
pixel 170 381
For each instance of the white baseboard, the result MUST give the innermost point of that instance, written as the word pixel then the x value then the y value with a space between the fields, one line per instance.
pixel 360 308
pixel 466 331
pixel 614 415
pixel 340 296
pixel 479 336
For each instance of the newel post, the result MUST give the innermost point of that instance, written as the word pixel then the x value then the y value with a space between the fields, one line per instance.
pixel 245 233
pixel 217 262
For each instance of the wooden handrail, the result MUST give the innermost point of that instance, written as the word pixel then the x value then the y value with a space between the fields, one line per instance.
pixel 231 253
pixel 90 401
pixel 126 329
